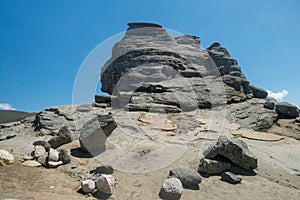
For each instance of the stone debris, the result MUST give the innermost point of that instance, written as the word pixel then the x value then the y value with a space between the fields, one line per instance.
pixel 53 155
pixel 63 137
pixel 104 169
pixel 38 151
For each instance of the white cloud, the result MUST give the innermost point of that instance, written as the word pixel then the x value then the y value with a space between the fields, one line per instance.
pixel 6 106
pixel 278 95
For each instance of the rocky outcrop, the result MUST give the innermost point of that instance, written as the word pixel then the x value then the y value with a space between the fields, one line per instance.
pixel 155 70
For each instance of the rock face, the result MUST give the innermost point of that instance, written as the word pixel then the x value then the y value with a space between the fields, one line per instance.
pixel 149 69
pixel 6 158
pixel 171 189
pixel 233 149
pixel 187 176
pixel 95 132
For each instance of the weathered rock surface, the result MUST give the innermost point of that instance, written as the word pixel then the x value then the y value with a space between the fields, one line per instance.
pixel 252 115
pixel 6 158
pixel 95 132
pixel 230 178
pixel 171 189
pixel 105 184
pixel 187 176
pixel 155 69
pixel 209 166
pixel 234 149
pixel 54 164
pixel 38 151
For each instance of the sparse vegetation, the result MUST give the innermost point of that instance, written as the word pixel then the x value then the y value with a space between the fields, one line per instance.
pixel 13 115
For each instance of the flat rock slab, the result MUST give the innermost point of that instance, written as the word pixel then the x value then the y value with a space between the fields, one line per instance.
pixel 255 135
pixel 187 176
pixel 31 163
pixel 230 178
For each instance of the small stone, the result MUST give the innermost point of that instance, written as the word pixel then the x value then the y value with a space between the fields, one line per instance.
pixel 209 166
pixel 31 163
pixel 6 158
pixel 171 189
pixel 297 120
pixel 88 186
pixel 53 164
pixel 38 151
pixel 104 169
pixel 64 156
pixel 53 155
pixel 187 176
pixel 230 178
pixel 43 160
pixel 105 184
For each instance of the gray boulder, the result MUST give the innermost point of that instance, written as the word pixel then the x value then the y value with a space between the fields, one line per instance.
pixel 209 166
pixel 95 132
pixel 230 178
pixel 63 137
pixel 258 92
pixel 234 149
pixel 187 176
pixel 270 104
pixel 287 110
pixel 171 189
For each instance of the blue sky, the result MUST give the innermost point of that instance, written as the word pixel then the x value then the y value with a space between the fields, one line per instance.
pixel 44 43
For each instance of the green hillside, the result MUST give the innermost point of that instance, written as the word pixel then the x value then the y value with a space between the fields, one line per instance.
pixel 13 115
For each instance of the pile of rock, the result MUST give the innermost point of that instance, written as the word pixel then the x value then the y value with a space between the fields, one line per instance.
pixel 179 178
pixel 101 180
pixel 225 155
pixel 45 154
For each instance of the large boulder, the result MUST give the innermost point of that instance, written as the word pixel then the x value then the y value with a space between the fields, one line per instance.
pixel 287 110
pixel 258 92
pixel 187 176
pixel 233 149
pixel 171 189
pixel 95 132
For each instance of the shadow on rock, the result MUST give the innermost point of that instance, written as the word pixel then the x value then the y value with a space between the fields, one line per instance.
pixel 100 195
pixel 77 152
